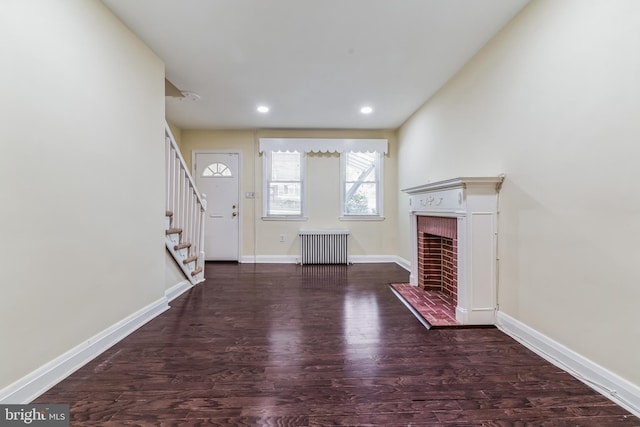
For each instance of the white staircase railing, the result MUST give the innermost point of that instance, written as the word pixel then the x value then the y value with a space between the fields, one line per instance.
pixel 185 213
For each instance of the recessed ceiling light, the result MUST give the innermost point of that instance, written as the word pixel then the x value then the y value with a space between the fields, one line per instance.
pixel 366 110
pixel 262 109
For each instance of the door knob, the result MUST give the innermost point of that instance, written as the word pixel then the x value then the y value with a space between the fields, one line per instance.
pixel 234 214
pixel 233 206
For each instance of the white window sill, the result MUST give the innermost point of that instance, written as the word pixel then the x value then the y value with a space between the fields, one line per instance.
pixel 362 218
pixel 284 218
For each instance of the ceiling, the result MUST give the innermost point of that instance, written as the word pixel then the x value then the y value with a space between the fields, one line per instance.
pixel 315 63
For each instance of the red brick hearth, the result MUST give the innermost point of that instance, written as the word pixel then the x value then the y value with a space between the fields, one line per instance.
pixel 433 306
pixel 438 256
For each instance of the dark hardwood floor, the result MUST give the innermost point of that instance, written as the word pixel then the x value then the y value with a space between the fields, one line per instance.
pixel 284 345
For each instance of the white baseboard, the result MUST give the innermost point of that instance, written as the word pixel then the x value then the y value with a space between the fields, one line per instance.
pixel 176 290
pixel 403 263
pixel 354 259
pixel 369 259
pixel 42 379
pixel 269 259
pixel 605 382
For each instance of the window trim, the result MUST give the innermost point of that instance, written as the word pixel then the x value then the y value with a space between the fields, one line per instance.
pixel 266 174
pixel 379 216
pixel 323 145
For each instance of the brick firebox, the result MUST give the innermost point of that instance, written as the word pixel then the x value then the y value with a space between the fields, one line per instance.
pixel 438 255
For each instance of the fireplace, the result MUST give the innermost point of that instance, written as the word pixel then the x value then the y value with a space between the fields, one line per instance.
pixel 438 255
pixel 454 235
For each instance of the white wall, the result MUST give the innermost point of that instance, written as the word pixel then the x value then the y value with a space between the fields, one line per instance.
pixel 81 178
pixel 554 102
pixel 262 238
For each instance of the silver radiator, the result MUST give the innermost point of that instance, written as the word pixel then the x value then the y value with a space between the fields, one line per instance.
pixel 323 247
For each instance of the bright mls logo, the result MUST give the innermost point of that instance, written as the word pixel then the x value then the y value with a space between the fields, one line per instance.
pixel 34 415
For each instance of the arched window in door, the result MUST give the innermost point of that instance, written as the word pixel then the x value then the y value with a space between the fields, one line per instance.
pixel 216 170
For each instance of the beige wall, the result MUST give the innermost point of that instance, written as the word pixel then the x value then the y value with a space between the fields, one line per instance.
pixel 553 101
pixel 261 238
pixel 81 178
pixel 177 134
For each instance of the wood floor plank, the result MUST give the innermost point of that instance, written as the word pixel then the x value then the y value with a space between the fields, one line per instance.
pixel 285 345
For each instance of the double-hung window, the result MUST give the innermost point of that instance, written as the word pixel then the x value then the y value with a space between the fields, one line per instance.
pixel 284 184
pixel 361 185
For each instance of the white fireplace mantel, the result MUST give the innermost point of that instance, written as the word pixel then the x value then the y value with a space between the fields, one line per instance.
pixel 474 202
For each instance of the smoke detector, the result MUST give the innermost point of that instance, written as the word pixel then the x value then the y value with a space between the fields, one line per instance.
pixel 189 96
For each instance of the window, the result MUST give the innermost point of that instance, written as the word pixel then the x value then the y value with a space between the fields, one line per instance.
pixel 361 184
pixel 359 194
pixel 284 184
pixel 216 170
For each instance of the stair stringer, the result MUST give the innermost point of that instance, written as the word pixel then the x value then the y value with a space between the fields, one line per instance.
pixel 179 257
pixel 173 238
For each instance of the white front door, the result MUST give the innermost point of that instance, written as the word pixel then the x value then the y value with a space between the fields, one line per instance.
pixel 217 177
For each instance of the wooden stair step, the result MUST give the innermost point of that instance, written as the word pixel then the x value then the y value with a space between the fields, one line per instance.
pixel 190 259
pixel 174 231
pixel 184 245
pixel 196 271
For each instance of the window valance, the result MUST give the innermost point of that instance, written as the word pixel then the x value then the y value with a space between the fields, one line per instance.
pixel 323 145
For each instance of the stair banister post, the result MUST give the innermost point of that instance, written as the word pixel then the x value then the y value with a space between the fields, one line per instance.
pixel 203 215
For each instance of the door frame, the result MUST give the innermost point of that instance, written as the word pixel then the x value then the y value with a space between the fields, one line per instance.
pixel 194 154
